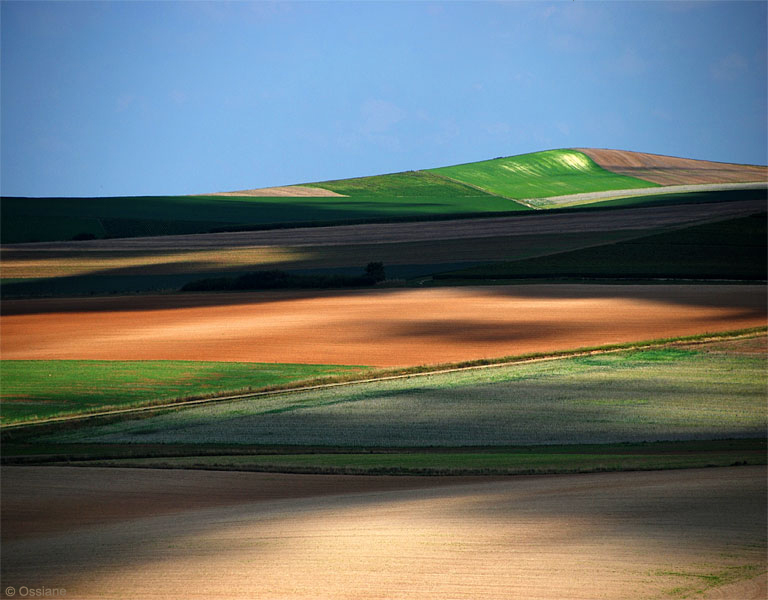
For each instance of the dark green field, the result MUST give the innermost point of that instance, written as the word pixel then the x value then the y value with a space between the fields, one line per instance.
pixel 521 460
pixel 701 197
pixel 403 196
pixel 734 249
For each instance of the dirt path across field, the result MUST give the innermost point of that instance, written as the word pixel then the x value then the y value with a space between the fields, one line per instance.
pixel 671 170
pixel 589 197
pixel 383 233
pixel 613 535
pixel 372 327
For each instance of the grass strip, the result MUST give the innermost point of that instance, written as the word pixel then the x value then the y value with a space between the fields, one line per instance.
pixel 525 460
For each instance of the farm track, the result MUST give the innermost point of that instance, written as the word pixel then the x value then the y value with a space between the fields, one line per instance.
pixel 141 533
pixel 383 376
pixel 388 233
pixel 588 197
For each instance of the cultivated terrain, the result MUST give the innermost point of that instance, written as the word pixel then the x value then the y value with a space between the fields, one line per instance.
pixel 536 376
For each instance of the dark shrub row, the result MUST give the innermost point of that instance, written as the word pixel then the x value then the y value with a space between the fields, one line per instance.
pixel 280 280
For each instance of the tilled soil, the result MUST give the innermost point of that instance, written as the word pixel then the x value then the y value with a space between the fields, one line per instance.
pixel 638 535
pixel 373 327
pixel 671 170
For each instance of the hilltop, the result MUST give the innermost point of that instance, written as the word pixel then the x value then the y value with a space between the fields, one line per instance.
pixel 499 186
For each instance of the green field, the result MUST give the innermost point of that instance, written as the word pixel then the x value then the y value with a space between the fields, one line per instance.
pixel 540 175
pixel 419 190
pixel 402 196
pixel 634 396
pixel 39 389
pixel 485 187
pixel 731 249
pixel 478 188
pixel 583 458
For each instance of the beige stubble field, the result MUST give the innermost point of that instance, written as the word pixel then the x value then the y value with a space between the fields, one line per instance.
pixel 613 535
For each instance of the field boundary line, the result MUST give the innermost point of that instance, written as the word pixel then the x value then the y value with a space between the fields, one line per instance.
pixel 480 189
pixel 522 360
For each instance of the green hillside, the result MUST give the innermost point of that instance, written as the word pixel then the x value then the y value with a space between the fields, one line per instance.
pixel 479 188
pixel 402 196
pixel 540 175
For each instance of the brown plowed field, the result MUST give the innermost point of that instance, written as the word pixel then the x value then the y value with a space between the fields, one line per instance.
pixel 249 535
pixel 372 327
pixel 670 170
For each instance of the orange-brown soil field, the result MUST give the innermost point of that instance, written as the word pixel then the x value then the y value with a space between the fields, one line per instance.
pixel 386 327
pixel 195 534
pixel 671 170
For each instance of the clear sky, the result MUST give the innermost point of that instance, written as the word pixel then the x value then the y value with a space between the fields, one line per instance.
pixel 144 98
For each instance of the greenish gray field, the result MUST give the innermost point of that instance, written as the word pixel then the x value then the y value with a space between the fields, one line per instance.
pixel 658 394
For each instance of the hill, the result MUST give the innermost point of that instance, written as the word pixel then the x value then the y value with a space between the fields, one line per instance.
pixel 497 186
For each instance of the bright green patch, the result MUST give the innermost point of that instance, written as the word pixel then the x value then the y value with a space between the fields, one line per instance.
pixel 540 175
pixel 38 389
pixel 695 584
pixel 417 193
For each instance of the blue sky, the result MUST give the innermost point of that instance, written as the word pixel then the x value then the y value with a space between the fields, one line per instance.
pixel 143 98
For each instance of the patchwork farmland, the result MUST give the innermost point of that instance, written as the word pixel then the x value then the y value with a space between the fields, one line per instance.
pixel 568 343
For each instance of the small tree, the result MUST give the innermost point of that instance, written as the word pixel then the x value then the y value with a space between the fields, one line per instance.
pixel 375 270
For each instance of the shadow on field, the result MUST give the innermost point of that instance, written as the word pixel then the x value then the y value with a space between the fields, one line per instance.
pixel 750 298
pixel 682 518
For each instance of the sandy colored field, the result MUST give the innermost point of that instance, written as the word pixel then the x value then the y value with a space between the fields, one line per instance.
pixel 590 197
pixel 371 327
pixel 619 535
pixel 382 233
pixel 286 191
pixel 671 170
pixel 94 496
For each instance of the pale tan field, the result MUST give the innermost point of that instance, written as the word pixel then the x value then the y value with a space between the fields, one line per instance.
pixel 618 535
pixel 671 170
pixel 371 327
pixel 286 191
